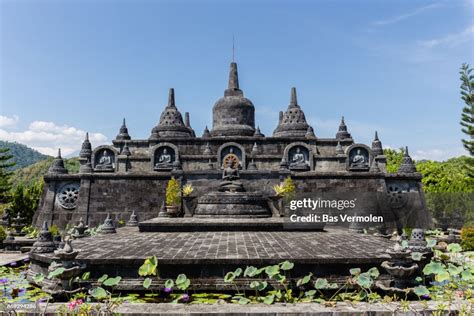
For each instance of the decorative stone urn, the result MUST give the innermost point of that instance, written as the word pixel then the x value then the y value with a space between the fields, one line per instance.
pixel 172 210
pixel 18 224
pixel 401 268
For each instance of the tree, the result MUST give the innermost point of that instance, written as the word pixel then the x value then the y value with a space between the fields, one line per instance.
pixel 467 116
pixel 25 201
pixel 5 174
pixel 394 159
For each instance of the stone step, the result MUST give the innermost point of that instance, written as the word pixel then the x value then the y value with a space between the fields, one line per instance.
pixel 201 224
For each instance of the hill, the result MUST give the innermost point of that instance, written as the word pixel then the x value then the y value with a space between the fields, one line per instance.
pixel 23 155
pixel 36 171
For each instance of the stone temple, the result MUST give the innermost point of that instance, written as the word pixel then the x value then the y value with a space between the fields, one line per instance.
pixel 131 174
pixel 233 216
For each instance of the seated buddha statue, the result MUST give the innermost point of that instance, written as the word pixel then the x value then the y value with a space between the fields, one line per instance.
pixel 298 161
pixel 359 160
pixel 105 161
pixel 229 177
pixel 164 161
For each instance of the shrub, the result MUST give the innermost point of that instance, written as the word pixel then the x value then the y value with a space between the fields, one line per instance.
pixel 54 230
pixel 188 189
pixel 173 192
pixel 467 239
pixel 3 233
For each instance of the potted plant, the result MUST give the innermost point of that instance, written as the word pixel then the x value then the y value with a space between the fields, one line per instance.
pixel 284 192
pixel 173 192
pixel 187 200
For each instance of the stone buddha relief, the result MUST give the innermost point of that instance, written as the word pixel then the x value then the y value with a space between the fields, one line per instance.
pixel 164 158
pixel 298 158
pixel 105 160
pixel 359 158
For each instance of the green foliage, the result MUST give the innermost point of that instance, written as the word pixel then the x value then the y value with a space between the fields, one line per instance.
pixel 22 155
pixel 112 281
pixel 182 282
pixel 146 283
pixel 394 159
pixel 448 185
pixel 5 174
pixel 149 267
pixel 54 230
pixel 467 239
pixel 467 116
pixel 25 201
pixel 3 233
pixel 35 172
pixel 173 192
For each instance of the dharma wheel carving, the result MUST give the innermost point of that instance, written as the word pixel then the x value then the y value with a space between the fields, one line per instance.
pixel 67 196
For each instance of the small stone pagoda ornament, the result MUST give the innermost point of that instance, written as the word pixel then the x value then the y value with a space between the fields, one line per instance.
pixel 123 133
pixel 417 242
pixel 133 221
pixel 252 165
pixel 339 150
pixel 377 149
pixel 293 121
pixel 163 212
pixel 342 132
pixel 80 229
pixel 207 150
pixel 108 226
pixel 57 167
pixel 206 133
pixel 258 133
pixel 44 243
pixel 407 165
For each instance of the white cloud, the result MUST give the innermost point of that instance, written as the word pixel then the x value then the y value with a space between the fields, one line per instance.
pixel 8 122
pixel 453 39
pixel 437 154
pixel 406 15
pixel 47 137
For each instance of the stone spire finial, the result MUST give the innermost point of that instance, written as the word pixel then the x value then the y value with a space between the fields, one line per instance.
pixel 133 221
pixel 258 133
pixel 171 103
pixel 126 150
pixel 187 123
pixel 171 122
pixel 108 226
pixel 377 146
pixel 374 167
pixel 292 123
pixel 206 133
pixel 280 117
pixel 123 133
pixel 294 100
pixel 86 149
pixel 252 165
pixel 44 243
pixel 407 165
pixel 310 133
pixel 255 149
pixel 233 87
pixel 57 167
pixel 342 132
pixel 339 150
pixel 207 150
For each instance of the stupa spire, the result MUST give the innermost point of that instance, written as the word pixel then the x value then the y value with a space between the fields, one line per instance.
pixel 342 132
pixel 233 86
pixel 123 132
pixel 407 165
pixel 171 103
pixel 293 100
pixel 58 165
pixel 377 145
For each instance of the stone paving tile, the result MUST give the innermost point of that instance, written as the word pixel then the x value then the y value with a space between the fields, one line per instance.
pixel 331 244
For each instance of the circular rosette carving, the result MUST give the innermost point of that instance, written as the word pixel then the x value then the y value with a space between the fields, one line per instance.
pixel 396 196
pixel 67 196
pixel 231 160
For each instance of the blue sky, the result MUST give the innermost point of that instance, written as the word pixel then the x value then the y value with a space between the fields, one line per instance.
pixel 73 66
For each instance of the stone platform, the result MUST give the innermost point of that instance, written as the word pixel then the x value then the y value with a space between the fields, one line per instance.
pixel 202 224
pixel 205 257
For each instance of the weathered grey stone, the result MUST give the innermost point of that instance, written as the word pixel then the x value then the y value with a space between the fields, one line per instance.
pixel 123 133
pixel 233 114
pixel 44 243
pixel 407 165
pixel 293 121
pixel 377 146
pixel 57 167
pixel 342 133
